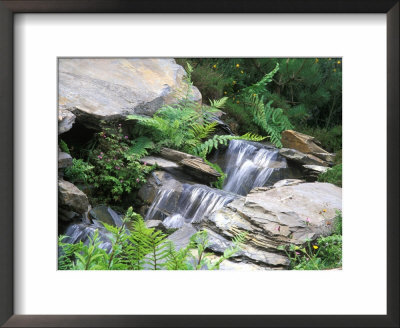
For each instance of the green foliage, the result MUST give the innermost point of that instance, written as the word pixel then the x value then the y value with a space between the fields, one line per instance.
pixel 141 248
pixel 117 168
pixel 80 172
pixel 309 90
pixel 271 120
pixel 63 146
pixel 323 253
pixel 332 175
pixel 220 181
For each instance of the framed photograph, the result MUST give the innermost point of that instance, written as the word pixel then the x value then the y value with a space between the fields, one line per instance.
pixel 202 165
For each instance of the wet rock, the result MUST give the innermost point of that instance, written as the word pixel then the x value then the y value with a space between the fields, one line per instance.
pixel 191 165
pixel 107 215
pixel 64 160
pixel 70 197
pixel 327 157
pixel 301 158
pixel 65 120
pixel 109 89
pixel 156 224
pixel 287 182
pixel 181 237
pixel 311 172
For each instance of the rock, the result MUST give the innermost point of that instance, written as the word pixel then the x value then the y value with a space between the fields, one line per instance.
pixel 107 215
pixel 65 120
pixel 282 215
pixel 156 224
pixel 327 157
pixel 64 160
pixel 311 172
pixel 109 89
pixel 162 163
pixel 192 165
pixel 66 215
pixel 181 237
pixel 287 182
pixel 70 197
pixel 301 158
pixel 301 142
pixel 316 168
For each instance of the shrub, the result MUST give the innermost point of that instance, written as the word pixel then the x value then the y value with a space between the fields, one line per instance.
pixel 332 175
pixel 80 172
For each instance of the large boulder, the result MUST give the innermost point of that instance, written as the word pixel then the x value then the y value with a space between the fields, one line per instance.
pixel 111 88
pixel 290 213
pixel 71 198
pixel 65 120
pixel 305 144
pixel 64 160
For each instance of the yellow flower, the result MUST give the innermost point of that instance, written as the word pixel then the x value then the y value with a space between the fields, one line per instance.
pixel 241 72
pixel 324 210
pixel 233 82
pixel 225 92
pixel 339 62
pixel 233 98
pixel 237 101
pixel 329 58
pixel 237 65
pixel 334 69
pixel 254 94
pixel 214 66
pixel 315 247
pixel 316 60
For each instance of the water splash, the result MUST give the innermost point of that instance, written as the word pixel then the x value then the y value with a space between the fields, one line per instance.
pixel 191 206
pixel 250 165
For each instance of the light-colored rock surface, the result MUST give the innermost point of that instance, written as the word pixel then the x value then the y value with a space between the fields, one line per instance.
pixel 301 158
pixel 275 216
pixel 110 88
pixel 301 142
pixel 316 168
pixel 161 162
pixel 64 160
pixel 65 120
pixel 71 198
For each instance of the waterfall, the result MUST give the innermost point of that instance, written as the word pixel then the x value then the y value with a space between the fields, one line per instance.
pixel 249 165
pixel 191 206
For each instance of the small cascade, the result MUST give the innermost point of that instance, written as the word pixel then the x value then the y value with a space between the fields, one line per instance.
pixel 191 206
pixel 249 165
pixel 77 232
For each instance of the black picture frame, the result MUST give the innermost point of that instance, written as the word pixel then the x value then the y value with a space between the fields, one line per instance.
pixel 10 7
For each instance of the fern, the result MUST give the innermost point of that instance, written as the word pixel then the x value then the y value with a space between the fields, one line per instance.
pixel 220 181
pixel 203 131
pixel 140 147
pixel 219 103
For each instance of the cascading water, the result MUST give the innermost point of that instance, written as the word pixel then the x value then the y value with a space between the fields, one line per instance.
pixel 191 206
pixel 249 165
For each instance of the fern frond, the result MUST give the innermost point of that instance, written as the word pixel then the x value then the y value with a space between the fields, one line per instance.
pixel 219 103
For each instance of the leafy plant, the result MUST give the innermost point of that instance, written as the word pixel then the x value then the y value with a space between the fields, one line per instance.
pixel 141 248
pixel 63 146
pixel 323 253
pixel 80 172
pixel 332 175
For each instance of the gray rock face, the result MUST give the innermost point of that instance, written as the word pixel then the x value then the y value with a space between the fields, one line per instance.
pixel 71 198
pixel 283 215
pixel 65 120
pixel 111 88
pixel 301 158
pixel 105 214
pixel 181 237
pixel 64 160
